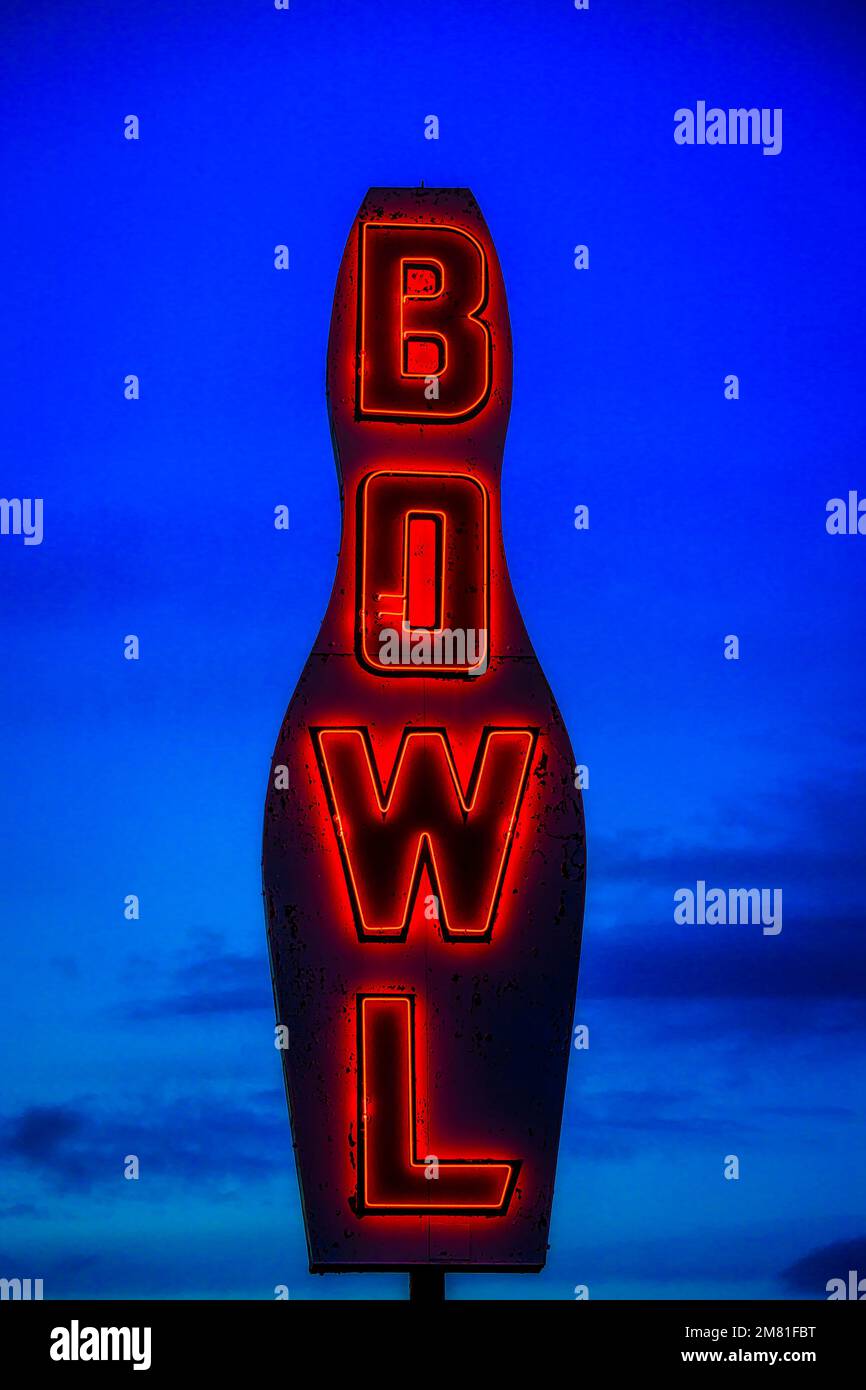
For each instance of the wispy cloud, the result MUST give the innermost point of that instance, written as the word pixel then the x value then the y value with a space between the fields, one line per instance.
pixel 811 1274
pixel 814 957
pixel 209 980
pixel 196 1138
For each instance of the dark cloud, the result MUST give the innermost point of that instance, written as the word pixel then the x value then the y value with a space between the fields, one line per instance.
pixel 178 1255
pixel 216 982
pixel 811 1274
pixel 811 958
pixel 51 1139
pixel 620 1122
pixel 627 861
pixel 810 842
pixel 811 1112
pixel 192 1139
pixel 725 1255
pixel 42 1131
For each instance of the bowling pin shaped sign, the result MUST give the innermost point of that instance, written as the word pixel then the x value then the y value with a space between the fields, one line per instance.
pixel 423 840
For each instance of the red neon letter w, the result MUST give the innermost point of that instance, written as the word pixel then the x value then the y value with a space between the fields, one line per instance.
pixel 423 819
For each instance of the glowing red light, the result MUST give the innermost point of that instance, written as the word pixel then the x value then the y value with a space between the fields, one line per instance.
pixel 394 1176
pixel 423 290
pixel 423 845
pixel 421 818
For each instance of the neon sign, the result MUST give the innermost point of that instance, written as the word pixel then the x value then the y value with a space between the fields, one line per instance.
pixel 423 563
pixel 423 858
pixel 392 1178
pixel 423 291
pixel 422 820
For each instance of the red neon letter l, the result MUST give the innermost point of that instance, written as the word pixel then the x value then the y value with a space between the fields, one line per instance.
pixel 393 1179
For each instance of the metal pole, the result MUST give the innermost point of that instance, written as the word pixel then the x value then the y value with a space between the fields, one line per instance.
pixel 427 1285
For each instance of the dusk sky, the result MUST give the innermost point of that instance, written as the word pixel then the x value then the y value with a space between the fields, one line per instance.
pixel 707 518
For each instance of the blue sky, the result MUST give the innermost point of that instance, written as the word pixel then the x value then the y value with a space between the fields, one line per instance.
pixel 706 518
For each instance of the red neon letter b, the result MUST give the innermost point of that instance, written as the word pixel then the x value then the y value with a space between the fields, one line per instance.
pixel 422 291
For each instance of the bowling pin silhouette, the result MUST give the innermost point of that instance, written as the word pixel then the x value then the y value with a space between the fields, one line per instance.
pixel 423 859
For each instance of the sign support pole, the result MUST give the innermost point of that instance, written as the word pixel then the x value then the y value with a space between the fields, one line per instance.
pixel 427 1286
